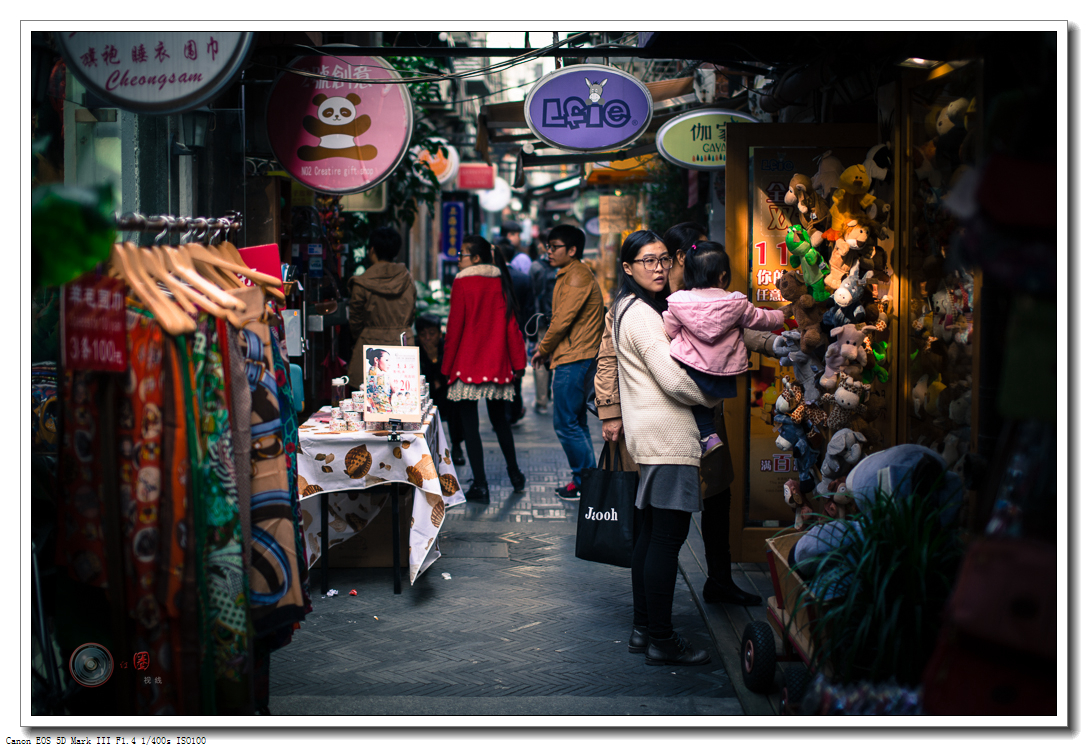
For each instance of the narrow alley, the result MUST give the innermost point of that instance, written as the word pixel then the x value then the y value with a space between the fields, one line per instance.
pixel 520 627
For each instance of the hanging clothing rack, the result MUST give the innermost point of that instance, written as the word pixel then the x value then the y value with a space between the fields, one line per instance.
pixel 206 228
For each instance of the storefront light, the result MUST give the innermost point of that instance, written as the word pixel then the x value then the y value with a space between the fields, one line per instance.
pixel 920 63
pixel 194 127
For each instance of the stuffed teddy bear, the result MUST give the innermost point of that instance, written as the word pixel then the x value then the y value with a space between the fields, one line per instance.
pixel 850 299
pixel 851 247
pixel 815 216
pixel 844 450
pixel 798 501
pixel 846 404
pixel 813 267
pixel 804 310
pixel 852 199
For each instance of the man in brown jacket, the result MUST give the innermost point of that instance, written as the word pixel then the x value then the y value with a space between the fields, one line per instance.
pixel 569 348
pixel 383 302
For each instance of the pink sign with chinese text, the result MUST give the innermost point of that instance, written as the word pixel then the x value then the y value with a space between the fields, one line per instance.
pixel 343 133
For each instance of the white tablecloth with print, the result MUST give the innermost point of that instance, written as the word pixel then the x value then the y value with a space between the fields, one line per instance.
pixel 357 460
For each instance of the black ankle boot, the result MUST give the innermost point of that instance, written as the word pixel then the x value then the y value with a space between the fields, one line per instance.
pixel 457 456
pixel 716 592
pixel 675 651
pixel 517 479
pixel 638 641
pixel 478 493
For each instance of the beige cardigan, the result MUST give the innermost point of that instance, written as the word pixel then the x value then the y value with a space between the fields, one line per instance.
pixel 656 393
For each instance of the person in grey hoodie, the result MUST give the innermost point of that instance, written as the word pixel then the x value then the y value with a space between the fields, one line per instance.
pixel 383 302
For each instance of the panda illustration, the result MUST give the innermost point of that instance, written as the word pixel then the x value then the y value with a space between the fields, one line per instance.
pixel 336 126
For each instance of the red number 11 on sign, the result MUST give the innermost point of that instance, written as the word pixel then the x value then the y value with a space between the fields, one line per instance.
pixel 761 249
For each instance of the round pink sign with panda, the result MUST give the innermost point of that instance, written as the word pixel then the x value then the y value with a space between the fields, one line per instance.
pixel 342 132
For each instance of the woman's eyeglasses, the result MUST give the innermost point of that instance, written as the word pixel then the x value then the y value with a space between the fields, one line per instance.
pixel 652 263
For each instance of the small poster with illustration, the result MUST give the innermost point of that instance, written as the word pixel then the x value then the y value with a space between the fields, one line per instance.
pixel 392 384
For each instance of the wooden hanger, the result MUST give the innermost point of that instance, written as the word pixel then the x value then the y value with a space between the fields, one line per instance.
pixel 154 266
pixel 126 260
pixel 182 291
pixel 181 264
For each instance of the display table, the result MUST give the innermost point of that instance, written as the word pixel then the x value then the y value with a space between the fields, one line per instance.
pixel 331 463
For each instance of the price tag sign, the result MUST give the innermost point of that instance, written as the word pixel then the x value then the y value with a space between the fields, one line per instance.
pixel 93 321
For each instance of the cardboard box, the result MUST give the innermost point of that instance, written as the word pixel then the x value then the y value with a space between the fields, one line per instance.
pixel 373 546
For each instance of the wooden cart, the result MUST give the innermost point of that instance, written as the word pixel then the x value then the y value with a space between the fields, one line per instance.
pixel 790 613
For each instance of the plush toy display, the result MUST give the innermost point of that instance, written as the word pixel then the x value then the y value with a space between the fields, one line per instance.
pixel 788 349
pixel 804 309
pixel 852 246
pixel 850 299
pixel 813 267
pixel 846 355
pixel 811 207
pixel 828 171
pixel 844 450
pixel 846 403
pixel 792 402
pixel 851 200
pixel 791 437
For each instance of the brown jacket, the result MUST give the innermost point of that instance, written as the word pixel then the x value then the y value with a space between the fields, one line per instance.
pixel 606 385
pixel 382 306
pixel 577 317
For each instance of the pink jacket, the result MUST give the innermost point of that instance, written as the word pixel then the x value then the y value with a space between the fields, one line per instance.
pixel 706 328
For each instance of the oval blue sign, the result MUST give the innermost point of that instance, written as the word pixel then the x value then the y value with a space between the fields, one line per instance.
pixel 588 108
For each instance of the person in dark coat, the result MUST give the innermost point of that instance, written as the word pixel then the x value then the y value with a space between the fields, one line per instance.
pixel 431 344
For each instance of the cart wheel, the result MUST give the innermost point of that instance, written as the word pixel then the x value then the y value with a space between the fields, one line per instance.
pixel 757 656
pixel 793 691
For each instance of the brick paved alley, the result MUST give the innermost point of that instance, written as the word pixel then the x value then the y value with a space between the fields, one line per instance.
pixel 520 627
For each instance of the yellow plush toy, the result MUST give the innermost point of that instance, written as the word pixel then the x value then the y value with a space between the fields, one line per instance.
pixel 852 199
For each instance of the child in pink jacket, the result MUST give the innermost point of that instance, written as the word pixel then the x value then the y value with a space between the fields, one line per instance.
pixel 705 322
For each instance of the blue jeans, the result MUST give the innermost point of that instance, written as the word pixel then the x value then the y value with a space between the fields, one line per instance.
pixel 569 415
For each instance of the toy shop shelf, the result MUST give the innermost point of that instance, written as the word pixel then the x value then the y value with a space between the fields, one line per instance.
pixel 749 541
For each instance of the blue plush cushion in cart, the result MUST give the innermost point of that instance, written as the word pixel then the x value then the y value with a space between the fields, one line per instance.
pixel 296 387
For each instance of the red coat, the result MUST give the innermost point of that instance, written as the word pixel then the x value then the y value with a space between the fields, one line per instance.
pixel 483 345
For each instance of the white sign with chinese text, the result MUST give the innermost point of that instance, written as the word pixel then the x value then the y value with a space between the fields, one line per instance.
pixel 155 72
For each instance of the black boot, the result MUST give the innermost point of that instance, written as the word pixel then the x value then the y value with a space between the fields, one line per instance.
pixel 457 456
pixel 675 651
pixel 717 592
pixel 638 641
pixel 478 493
pixel 517 479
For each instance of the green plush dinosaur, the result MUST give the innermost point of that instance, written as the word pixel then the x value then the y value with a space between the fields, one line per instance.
pixel 812 264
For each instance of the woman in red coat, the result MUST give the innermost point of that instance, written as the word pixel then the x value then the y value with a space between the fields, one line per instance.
pixel 484 354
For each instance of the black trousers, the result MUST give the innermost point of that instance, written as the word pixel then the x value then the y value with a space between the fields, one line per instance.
pixel 470 424
pixel 661 534
pixel 715 526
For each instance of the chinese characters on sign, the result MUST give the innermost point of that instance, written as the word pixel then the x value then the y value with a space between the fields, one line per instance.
pixel 696 140
pixel 159 72
pixel 453 229
pixel 93 320
pixel 392 383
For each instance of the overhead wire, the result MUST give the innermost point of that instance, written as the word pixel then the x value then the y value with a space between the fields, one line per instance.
pixel 405 79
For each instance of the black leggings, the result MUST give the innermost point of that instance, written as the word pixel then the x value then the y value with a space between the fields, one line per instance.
pixel 661 534
pixel 474 447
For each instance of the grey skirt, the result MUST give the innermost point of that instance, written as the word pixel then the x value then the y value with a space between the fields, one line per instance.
pixel 671 486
